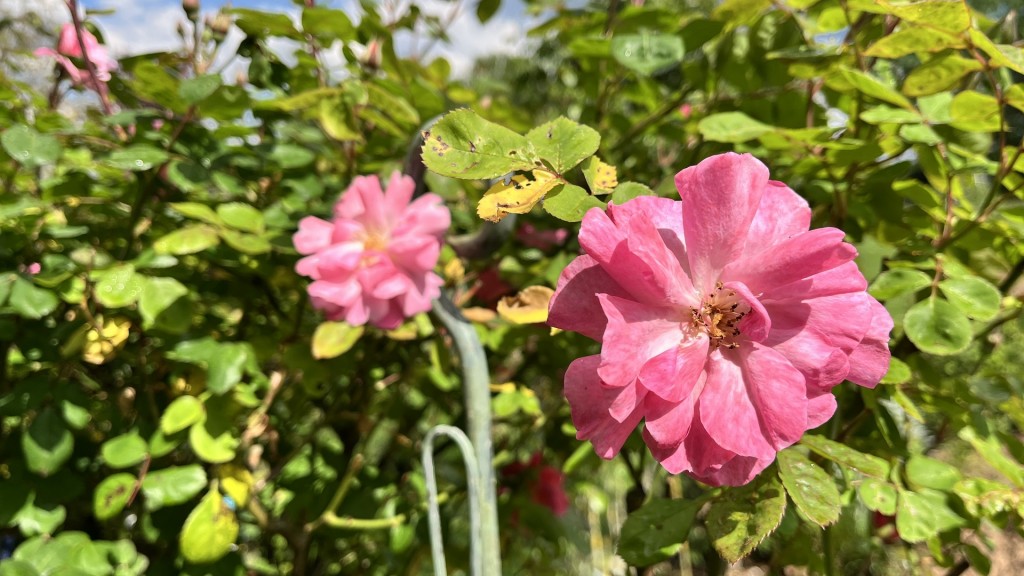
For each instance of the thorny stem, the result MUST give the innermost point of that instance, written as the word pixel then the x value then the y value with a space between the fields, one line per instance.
pixel 90 66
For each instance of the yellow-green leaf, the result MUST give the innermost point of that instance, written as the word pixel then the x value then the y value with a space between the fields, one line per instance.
pixel 209 531
pixel 332 339
pixel 518 196
pixel 529 306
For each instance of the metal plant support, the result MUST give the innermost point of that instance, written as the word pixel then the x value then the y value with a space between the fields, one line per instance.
pixel 485 553
pixel 476 447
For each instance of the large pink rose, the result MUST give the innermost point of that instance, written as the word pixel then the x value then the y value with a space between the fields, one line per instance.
pixel 68 47
pixel 724 322
pixel 374 261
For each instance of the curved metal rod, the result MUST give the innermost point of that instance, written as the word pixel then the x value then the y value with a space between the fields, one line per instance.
pixel 433 508
pixel 476 384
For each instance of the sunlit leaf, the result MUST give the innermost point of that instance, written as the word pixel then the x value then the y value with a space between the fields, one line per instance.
pixel 464 145
pixel 518 196
pixel 529 306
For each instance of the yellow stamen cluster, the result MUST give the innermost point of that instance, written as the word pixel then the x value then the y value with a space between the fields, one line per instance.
pixel 719 316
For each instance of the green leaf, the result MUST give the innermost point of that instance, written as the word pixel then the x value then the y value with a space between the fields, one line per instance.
pixel 187 240
pixel 158 294
pixel 195 90
pixel 925 472
pixel 871 86
pixel 974 296
pixel 183 412
pixel 922 515
pixel 883 114
pixel 173 486
pixel 947 15
pixel 241 216
pixel 332 339
pixel 898 281
pixel 485 9
pixel 257 23
pixel 213 439
pixel 290 156
pixel 119 287
pixel 47 443
pixel 137 158
pixel 161 444
pixel 190 176
pixel 30 148
pixel 937 327
pixel 393 105
pixel 913 40
pixel 993 450
pixel 878 496
pixel 304 99
pixel 216 447
pixel 731 127
pixel 209 531
pixel 196 211
pixel 743 517
pixel 647 53
pixel 812 490
pixel 464 145
pixel 564 143
pixel 327 24
pixel 570 202
pixel 845 456
pixel 973 111
pixel 112 495
pixel 124 450
pixel 626 191
pixel 655 531
pixel 33 520
pixel 938 74
pixel 337 121
pixel 224 370
pixel 17 568
pixel 29 301
pixel 246 243
pixel 898 372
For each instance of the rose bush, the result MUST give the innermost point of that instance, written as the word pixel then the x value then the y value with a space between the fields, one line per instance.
pixel 215 355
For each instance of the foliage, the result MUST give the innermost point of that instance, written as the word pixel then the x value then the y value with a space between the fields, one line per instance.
pixel 170 403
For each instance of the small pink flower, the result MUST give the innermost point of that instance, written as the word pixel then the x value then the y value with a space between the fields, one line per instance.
pixel 68 47
pixel 724 322
pixel 529 235
pixel 685 111
pixel 374 261
pixel 33 268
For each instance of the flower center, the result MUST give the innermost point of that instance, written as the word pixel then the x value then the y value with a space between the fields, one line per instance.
pixel 719 317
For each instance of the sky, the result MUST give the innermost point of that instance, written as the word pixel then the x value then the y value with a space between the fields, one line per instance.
pixel 140 26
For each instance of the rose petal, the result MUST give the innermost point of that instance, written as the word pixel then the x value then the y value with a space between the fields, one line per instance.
pixel 720 197
pixel 589 402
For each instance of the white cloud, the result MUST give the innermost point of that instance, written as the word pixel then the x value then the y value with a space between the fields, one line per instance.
pixel 141 26
pixel 469 39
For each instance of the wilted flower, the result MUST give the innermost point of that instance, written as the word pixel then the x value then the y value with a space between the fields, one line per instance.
pixel 724 322
pixel 373 262
pixel 68 47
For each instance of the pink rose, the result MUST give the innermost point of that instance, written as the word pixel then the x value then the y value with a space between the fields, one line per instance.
pixel 374 261
pixel 68 47
pixel 723 321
